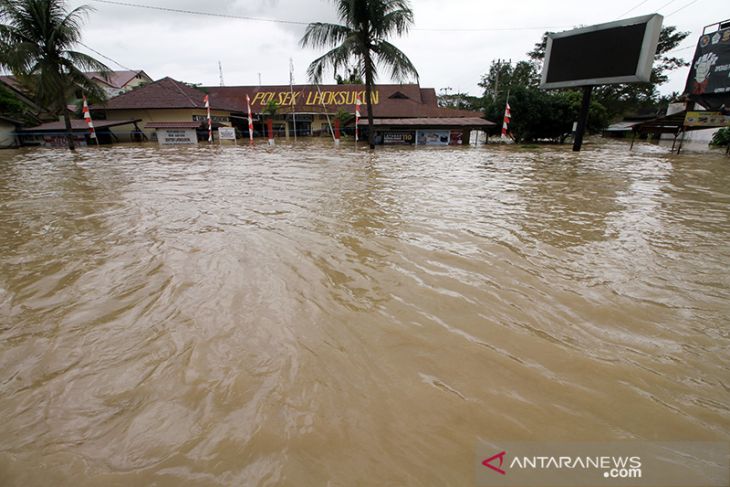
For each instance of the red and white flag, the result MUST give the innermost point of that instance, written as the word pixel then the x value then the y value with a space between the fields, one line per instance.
pixel 210 123
pixel 505 122
pixel 250 119
pixel 87 117
pixel 357 118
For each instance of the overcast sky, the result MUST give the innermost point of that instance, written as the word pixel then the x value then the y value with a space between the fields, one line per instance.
pixel 188 47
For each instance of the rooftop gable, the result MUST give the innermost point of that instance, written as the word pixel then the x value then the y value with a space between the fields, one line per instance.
pixel 163 93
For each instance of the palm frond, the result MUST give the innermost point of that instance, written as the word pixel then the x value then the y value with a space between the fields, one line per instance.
pixel 395 22
pixel 401 68
pixel 335 58
pixel 324 35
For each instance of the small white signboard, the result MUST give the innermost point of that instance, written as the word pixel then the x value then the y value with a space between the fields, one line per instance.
pixel 227 133
pixel 176 136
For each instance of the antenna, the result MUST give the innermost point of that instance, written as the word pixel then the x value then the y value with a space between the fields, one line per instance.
pixel 259 79
pixel 220 73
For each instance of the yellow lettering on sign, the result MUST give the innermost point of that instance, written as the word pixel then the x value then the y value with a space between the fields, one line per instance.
pixel 327 98
pixel 257 97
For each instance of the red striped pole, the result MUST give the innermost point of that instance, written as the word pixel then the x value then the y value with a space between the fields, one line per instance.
pixel 87 117
pixel 250 120
pixel 357 119
pixel 506 120
pixel 210 123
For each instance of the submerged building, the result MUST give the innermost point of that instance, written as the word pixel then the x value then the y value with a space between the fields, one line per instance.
pixel 307 110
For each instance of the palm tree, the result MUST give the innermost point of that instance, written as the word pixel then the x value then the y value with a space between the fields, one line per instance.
pixel 366 25
pixel 36 41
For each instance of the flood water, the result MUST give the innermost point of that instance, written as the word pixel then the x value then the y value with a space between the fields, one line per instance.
pixel 301 315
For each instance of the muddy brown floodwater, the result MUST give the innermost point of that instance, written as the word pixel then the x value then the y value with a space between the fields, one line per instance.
pixel 304 316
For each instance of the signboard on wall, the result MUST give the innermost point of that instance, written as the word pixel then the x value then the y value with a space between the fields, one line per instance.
pixel 433 137
pixel 227 133
pixel 706 119
pixel 177 136
pixel 709 72
pixel 399 137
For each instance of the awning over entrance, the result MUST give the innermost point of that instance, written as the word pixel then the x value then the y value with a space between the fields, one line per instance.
pixel 52 128
pixel 429 122
pixel 173 125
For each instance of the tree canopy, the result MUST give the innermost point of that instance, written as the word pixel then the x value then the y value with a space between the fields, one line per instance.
pixel 37 39
pixel 361 40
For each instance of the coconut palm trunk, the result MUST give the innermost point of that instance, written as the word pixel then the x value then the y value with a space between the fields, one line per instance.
pixel 369 102
pixel 69 128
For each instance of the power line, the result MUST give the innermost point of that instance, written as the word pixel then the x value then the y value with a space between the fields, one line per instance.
pixel 682 8
pixel 666 5
pixel 292 22
pixel 106 57
pixel 633 8
pixel 194 12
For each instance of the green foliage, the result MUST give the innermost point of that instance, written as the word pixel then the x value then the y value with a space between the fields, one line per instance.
pixel 461 101
pixel 271 108
pixel 361 40
pixel 37 38
pixel 721 137
pixel 503 75
pixel 353 78
pixel 536 115
pixel 344 116
pixel 544 116
pixel 10 105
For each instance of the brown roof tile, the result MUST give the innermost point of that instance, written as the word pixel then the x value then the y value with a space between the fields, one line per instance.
pixel 163 93
pixel 115 79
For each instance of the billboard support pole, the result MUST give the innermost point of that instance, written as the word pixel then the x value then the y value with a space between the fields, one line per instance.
pixel 582 118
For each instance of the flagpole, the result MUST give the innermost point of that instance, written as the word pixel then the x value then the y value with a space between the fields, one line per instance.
pixel 250 120
pixel 210 124
pixel 324 108
pixel 357 120
pixel 291 88
pixel 507 118
pixel 87 117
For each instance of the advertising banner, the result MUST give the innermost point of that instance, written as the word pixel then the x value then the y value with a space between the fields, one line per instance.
pixel 709 72
pixel 706 119
pixel 433 137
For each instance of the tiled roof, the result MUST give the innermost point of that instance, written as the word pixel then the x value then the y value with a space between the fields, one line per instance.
pixel 163 93
pixel 115 79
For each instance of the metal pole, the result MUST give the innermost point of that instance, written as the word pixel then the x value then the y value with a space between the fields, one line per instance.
pixel 291 88
pixel 681 139
pixel 582 118
pixel 324 107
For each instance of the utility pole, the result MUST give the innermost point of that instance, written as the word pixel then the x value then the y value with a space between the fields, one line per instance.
pixel 220 74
